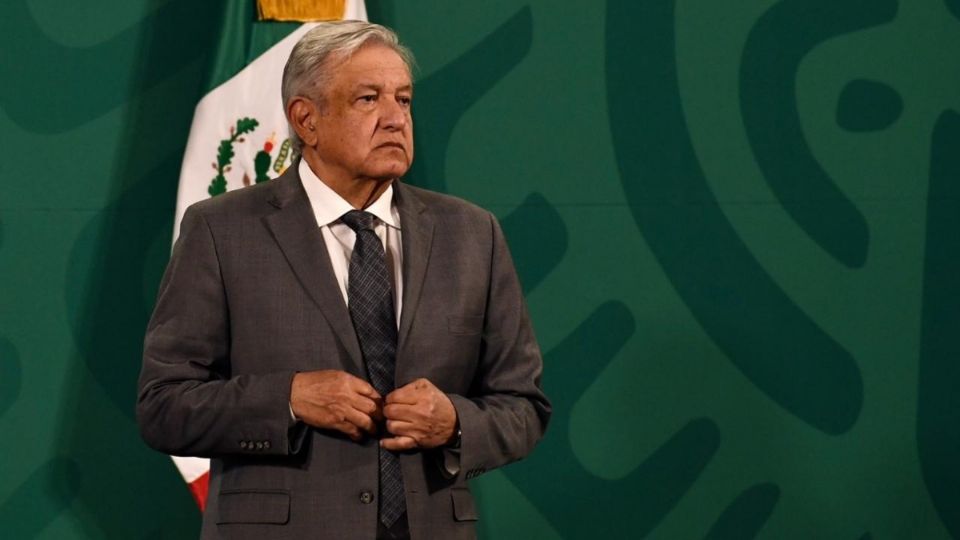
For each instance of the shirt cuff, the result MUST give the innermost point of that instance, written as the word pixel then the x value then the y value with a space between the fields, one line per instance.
pixel 451 462
pixel 293 417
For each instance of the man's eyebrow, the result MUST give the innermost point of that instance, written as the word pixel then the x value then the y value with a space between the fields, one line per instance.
pixel 379 87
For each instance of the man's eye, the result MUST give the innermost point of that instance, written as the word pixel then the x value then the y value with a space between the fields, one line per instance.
pixel 369 98
pixel 405 101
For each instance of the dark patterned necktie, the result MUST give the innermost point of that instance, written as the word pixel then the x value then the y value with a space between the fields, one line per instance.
pixel 370 300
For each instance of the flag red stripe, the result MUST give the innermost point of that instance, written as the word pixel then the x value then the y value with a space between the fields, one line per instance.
pixel 199 489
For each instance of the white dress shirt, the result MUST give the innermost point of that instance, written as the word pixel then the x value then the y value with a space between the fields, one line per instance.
pixel 328 206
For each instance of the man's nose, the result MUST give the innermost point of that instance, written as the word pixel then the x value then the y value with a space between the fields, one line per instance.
pixel 393 115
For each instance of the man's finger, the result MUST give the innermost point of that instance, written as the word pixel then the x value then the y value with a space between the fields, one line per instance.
pixel 400 411
pixel 365 405
pixel 377 414
pixel 401 428
pixel 406 394
pixel 363 388
pixel 360 420
pixel 398 443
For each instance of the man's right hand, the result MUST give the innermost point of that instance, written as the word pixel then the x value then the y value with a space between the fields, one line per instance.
pixel 332 399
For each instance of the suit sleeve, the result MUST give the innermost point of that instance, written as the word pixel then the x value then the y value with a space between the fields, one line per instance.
pixel 188 402
pixel 506 411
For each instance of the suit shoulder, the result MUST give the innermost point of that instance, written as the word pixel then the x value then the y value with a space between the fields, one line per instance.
pixel 239 201
pixel 449 206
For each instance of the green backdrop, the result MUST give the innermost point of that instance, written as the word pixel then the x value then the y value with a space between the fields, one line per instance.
pixel 737 225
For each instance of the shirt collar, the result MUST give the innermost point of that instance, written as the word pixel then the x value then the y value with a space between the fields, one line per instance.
pixel 328 205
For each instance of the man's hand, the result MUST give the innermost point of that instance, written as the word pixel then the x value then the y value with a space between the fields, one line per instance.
pixel 332 399
pixel 418 415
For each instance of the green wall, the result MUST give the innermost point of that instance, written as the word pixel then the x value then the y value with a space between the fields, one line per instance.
pixel 737 225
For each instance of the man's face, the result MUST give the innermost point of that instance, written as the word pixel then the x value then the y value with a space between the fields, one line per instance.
pixel 364 127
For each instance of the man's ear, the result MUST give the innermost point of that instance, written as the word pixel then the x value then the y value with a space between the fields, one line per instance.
pixel 302 114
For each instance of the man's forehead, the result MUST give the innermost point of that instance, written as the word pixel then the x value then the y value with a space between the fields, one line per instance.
pixel 373 74
pixel 375 79
pixel 374 84
pixel 374 70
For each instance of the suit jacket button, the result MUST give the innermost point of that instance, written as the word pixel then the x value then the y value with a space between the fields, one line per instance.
pixel 366 497
pixel 266 445
pixel 243 444
pixel 259 445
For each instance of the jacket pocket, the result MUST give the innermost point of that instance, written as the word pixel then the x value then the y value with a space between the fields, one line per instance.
pixel 252 506
pixel 465 326
pixel 464 508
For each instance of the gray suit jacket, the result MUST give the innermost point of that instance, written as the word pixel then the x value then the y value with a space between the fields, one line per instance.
pixel 249 298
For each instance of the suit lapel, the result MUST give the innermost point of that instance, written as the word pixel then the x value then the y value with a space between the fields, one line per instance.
pixel 417 227
pixel 295 229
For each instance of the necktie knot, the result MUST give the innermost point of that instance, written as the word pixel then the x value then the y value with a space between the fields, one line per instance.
pixel 358 220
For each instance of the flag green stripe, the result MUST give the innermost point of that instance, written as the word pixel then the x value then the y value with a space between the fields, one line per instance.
pixel 242 38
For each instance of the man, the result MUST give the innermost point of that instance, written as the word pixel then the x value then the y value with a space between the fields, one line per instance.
pixel 348 349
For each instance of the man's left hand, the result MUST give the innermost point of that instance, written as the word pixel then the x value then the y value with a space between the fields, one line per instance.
pixel 418 415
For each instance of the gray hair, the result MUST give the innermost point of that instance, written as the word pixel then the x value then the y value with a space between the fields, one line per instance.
pixel 307 70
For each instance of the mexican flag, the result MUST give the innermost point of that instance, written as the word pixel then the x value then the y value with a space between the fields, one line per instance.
pixel 239 131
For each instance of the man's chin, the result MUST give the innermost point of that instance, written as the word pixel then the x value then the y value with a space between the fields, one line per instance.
pixel 389 171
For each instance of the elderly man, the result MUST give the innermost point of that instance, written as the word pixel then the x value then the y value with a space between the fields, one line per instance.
pixel 349 350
